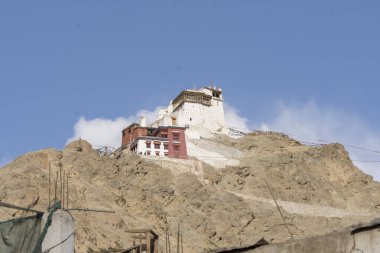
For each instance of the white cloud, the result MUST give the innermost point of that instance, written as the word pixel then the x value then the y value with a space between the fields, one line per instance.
pixel 307 122
pixel 311 123
pixel 233 119
pixel 107 132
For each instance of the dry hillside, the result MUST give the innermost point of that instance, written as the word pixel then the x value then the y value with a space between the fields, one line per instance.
pixel 318 188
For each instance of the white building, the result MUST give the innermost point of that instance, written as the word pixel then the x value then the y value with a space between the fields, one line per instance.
pixel 153 146
pixel 199 110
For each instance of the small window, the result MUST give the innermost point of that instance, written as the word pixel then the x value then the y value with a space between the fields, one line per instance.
pixel 157 146
pixel 166 154
pixel 147 152
pixel 176 148
pixel 191 119
pixel 157 153
pixel 148 145
pixel 176 136
pixel 166 146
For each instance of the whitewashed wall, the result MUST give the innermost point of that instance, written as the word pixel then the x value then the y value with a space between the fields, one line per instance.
pixel 142 149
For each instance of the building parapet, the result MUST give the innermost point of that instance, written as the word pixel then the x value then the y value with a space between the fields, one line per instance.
pixel 191 97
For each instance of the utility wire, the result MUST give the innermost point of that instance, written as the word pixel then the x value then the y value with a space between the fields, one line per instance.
pixel 324 142
pixel 48 250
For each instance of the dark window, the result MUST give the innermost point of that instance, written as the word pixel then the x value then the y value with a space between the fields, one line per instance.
pixel 157 153
pixel 148 152
pixel 166 146
pixel 191 119
pixel 148 145
pixel 166 154
pixel 157 146
pixel 176 147
pixel 176 136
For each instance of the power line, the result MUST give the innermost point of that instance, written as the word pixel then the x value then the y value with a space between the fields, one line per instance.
pixel 352 146
pixel 314 143
pixel 368 161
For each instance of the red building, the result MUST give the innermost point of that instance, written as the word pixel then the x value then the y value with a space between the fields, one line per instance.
pixel 161 141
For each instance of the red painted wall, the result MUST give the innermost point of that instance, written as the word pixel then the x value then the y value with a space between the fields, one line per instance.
pixel 182 153
pixel 133 134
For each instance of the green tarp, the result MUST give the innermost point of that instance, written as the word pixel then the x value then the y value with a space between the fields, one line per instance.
pixel 20 235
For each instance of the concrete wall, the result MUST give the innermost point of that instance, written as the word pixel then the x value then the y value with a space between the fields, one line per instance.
pixel 60 233
pixel 364 240
pixel 367 241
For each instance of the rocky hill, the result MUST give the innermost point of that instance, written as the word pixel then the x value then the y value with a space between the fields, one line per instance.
pixel 318 189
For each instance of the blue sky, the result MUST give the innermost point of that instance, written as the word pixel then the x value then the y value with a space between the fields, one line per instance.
pixel 286 65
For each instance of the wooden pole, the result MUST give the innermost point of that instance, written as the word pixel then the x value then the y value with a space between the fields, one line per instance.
pixel 55 189
pixel 148 250
pixel 60 182
pixel 67 189
pixel 6 205
pixel 181 244
pixel 156 245
pixel 166 242
pixel 63 190
pixel 140 244
pixel 279 210
pixel 49 186
pixel 178 238
pixel 89 210
pixel 169 243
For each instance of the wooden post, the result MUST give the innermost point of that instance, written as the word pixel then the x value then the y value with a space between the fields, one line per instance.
pixel 156 245
pixel 181 244
pixel 169 243
pixel 67 189
pixel 63 190
pixel 166 242
pixel 140 243
pixel 148 250
pixel 49 187
pixel 60 182
pixel 178 239
pixel 55 188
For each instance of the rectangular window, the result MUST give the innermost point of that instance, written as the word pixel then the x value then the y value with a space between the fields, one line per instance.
pixel 176 148
pixel 148 145
pixel 166 146
pixel 147 152
pixel 175 136
pixel 157 153
pixel 157 146
pixel 166 154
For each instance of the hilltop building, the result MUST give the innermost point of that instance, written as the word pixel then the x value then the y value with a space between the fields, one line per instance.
pixel 199 110
pixel 161 141
pixel 190 115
